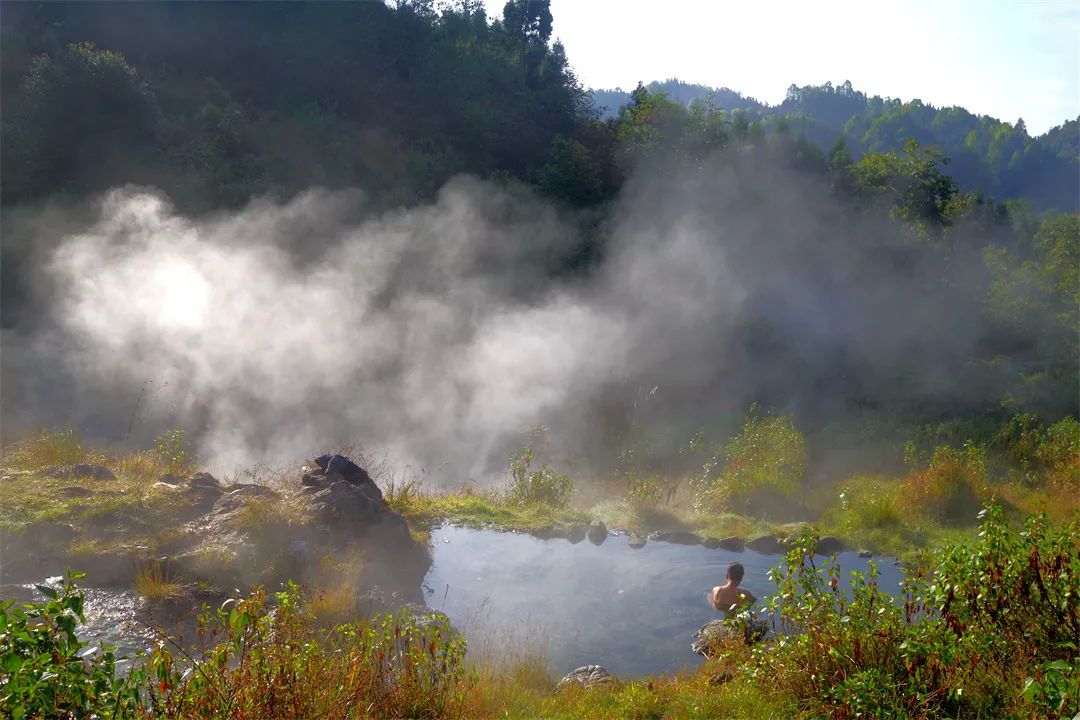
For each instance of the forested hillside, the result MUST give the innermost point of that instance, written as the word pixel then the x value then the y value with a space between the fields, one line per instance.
pixel 992 156
pixel 215 104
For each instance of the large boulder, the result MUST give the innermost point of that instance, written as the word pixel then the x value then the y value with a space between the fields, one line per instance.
pixel 767 545
pixel 587 676
pixel 830 545
pixel 714 634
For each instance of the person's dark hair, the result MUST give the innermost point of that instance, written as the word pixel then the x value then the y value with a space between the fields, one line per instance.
pixel 735 571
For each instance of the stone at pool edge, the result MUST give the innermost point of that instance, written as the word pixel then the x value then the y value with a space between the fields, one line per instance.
pixel 766 545
pixel 635 541
pixel 677 537
pixel 597 532
pixel 577 533
pixel 586 676
pixel 865 554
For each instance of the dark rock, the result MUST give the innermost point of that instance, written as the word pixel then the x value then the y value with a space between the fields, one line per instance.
pixel 678 537
pixel 636 542
pixel 733 543
pixel 587 676
pixel 597 532
pixel 350 472
pixel 75 491
pixel 766 544
pixel 203 479
pixel 81 471
pixel 865 554
pixel 829 545
pixel 577 533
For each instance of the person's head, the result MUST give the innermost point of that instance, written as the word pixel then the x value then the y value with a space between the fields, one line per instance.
pixel 735 573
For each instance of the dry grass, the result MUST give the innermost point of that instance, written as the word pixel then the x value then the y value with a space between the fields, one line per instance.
pixel 154 584
pixel 264 514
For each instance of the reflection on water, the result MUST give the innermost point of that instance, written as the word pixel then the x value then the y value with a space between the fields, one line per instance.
pixel 632 611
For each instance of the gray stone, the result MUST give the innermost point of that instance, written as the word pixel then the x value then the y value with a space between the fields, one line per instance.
pixel 865 554
pixel 733 543
pixel 203 479
pixel 678 537
pixel 766 544
pixel 587 676
pixel 636 542
pixel 597 532
pixel 716 633
pixel 577 533
pixel 829 545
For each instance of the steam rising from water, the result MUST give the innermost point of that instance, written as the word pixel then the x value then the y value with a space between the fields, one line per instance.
pixel 436 334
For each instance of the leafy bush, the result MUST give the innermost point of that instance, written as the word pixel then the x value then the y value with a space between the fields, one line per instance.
pixel 273 661
pixel 952 487
pixel 764 462
pixel 648 490
pixel 868 504
pixel 1059 453
pixel 173 451
pixel 543 486
pixel 992 631
pixel 47 672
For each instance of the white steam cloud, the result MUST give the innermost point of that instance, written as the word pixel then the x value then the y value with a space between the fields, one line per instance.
pixel 437 334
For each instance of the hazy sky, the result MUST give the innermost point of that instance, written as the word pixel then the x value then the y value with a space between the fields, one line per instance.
pixel 1006 58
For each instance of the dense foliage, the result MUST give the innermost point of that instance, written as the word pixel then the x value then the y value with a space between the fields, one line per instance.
pixel 990 629
pixel 993 156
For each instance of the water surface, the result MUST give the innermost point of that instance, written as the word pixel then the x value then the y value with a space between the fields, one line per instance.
pixel 632 611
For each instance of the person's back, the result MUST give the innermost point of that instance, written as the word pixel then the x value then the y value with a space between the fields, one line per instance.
pixel 730 598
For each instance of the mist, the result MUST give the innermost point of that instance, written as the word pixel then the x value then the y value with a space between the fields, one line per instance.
pixel 441 336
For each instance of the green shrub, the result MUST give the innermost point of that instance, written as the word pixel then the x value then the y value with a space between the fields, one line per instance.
pixel 272 660
pixel 763 463
pixel 868 503
pixel 991 631
pixel 952 487
pixel 648 490
pixel 1059 454
pixel 173 452
pixel 537 487
pixel 47 672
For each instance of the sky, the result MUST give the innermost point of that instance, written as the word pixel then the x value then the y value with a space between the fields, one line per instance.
pixel 1005 58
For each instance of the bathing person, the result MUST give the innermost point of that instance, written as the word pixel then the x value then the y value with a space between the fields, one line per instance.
pixel 729 598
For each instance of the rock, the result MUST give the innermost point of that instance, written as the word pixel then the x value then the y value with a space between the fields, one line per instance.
pixel 766 544
pixel 733 543
pixel 203 479
pixel 829 545
pixel 577 533
pixel 597 534
pixel 165 485
pixel 715 633
pixel 350 472
pixel 75 491
pixel 587 676
pixel 794 528
pixel 678 537
pixel 81 471
pixel 636 542
pixel 239 494
pixel 865 554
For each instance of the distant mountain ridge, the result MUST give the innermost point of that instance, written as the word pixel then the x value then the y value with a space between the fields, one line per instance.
pixel 992 156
